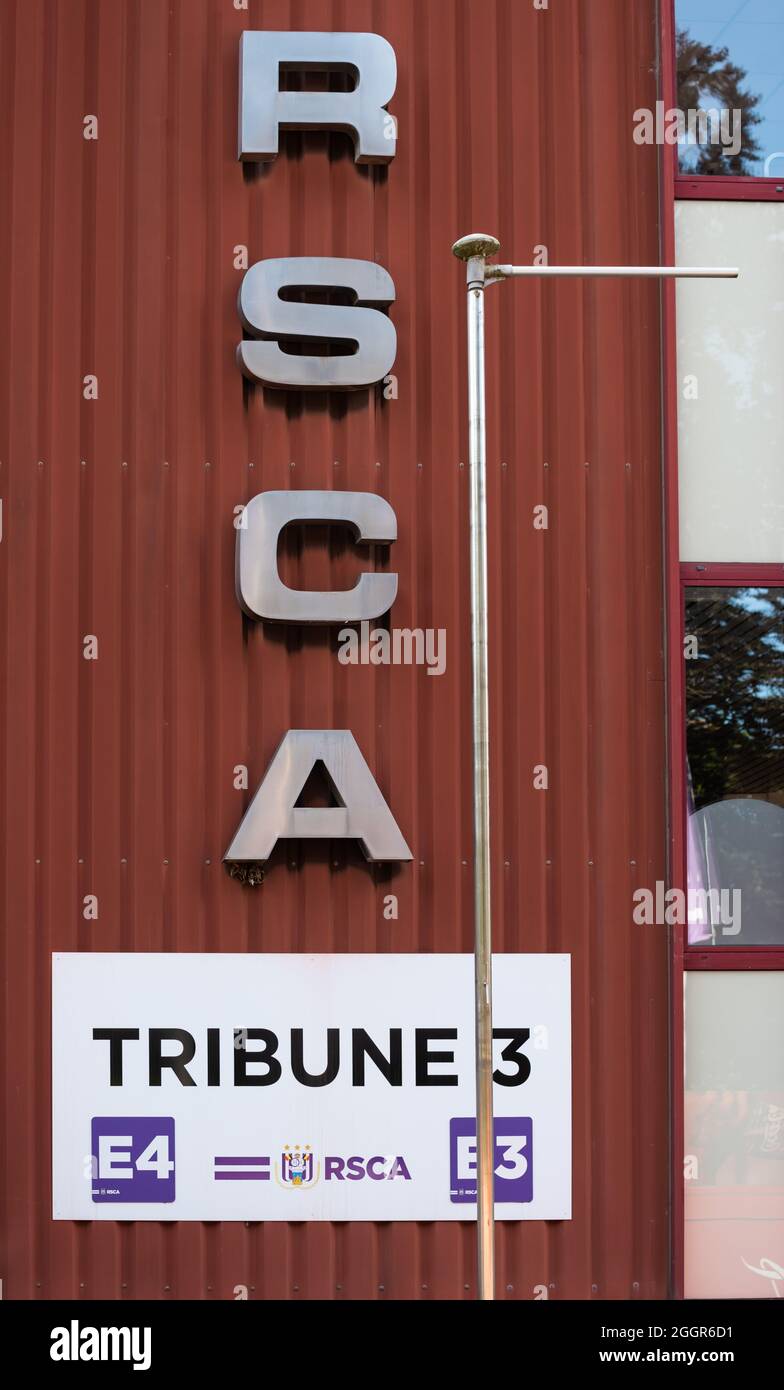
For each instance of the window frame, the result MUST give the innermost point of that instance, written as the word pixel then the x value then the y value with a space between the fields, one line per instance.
pixel 750 188
pixel 706 575
pixel 674 186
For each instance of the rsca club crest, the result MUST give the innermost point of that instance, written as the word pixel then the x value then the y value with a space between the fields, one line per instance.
pixel 297 1168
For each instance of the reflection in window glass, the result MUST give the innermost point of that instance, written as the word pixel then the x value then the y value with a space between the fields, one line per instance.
pixel 734 649
pixel 734 1134
pixel 731 62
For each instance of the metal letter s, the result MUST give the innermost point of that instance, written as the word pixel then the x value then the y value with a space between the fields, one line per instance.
pixel 265 315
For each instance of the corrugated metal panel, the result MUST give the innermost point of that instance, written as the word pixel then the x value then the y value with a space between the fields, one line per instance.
pixel 116 257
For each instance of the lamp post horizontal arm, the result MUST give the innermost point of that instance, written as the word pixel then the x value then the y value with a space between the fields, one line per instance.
pixel 650 272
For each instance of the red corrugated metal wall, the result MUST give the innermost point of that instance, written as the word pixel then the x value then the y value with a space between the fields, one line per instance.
pixel 117 775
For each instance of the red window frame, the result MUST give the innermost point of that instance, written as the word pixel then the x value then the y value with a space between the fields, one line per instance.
pixel 729 576
pixel 722 187
pixel 674 185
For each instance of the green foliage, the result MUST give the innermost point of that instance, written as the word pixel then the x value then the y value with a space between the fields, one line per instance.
pixel 735 694
pixel 707 77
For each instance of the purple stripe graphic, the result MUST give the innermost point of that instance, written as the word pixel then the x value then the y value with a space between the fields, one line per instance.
pixel 237 1176
pixel 241 1161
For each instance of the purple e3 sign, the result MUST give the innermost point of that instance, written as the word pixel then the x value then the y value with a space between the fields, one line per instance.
pixel 133 1159
pixel 513 1173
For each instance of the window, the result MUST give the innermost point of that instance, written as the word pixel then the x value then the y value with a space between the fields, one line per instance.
pixel 724 114
pixel 734 1134
pixel 733 985
pixel 730 71
pixel 734 657
pixel 730 345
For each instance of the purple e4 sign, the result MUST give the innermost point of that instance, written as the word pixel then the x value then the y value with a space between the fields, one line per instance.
pixel 513 1170
pixel 133 1159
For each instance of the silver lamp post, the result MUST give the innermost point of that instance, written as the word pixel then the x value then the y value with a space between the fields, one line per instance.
pixel 475 250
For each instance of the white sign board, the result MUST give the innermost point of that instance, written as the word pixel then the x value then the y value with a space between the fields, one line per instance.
pixel 304 1088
